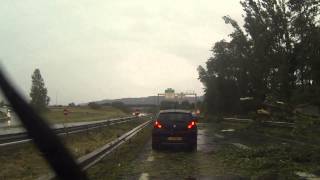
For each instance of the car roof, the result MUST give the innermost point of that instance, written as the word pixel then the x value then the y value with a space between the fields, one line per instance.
pixel 174 111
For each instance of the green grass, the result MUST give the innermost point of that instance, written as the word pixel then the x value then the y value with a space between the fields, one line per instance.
pixel 270 158
pixel 119 162
pixel 24 161
pixel 272 161
pixel 77 114
pixel 85 143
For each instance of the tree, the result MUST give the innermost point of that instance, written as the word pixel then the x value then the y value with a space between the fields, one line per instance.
pixel 185 105
pixel 169 105
pixel 94 105
pixel 120 105
pixel 72 104
pixel 276 53
pixel 38 94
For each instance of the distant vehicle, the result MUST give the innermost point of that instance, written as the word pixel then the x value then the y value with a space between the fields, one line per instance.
pixel 174 127
pixel 136 113
pixel 142 115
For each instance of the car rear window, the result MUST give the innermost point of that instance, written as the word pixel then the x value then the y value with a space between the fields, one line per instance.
pixel 175 116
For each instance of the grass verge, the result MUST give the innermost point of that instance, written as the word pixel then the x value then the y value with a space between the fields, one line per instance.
pixel 78 114
pixel 269 162
pixel 118 162
pixel 270 156
pixel 24 161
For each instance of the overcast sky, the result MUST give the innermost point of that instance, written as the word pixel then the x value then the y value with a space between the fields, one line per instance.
pixel 92 50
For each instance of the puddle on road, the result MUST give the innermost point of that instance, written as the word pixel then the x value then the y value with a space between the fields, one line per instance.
pixel 201 136
pixel 219 136
pixel 241 146
pixel 144 176
pixel 150 158
pixel 227 130
pixel 176 163
pixel 205 142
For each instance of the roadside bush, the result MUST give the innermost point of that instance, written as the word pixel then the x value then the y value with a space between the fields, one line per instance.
pixel 306 125
pixel 120 105
pixel 72 104
pixel 94 105
pixel 280 161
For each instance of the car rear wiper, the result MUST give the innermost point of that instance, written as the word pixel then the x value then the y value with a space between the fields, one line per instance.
pixel 44 138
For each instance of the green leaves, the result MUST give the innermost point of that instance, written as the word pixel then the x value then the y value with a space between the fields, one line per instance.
pixel 38 94
pixel 281 161
pixel 277 53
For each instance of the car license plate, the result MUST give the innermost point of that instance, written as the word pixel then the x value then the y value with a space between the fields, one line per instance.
pixel 174 138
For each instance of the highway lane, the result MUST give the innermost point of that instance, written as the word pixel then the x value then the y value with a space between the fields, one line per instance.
pixel 176 163
pixel 11 122
pixel 19 135
pixel 18 129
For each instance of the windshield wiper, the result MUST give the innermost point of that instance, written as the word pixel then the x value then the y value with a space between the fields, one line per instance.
pixel 44 138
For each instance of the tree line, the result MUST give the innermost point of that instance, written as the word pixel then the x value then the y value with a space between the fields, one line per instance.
pixel 275 54
pixel 176 105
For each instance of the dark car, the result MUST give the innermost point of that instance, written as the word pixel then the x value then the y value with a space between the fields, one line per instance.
pixel 174 127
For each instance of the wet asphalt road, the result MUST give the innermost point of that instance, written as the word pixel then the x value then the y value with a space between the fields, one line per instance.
pixel 13 121
pixel 176 163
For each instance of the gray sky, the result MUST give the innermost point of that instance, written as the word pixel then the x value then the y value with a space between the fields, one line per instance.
pixel 92 50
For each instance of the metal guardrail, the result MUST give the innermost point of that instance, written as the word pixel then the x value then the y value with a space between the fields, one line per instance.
pixel 97 155
pixel 92 158
pixel 21 137
pixel 269 123
pixel 4 119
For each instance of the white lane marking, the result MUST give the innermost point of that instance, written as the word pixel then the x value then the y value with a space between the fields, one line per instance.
pixel 307 176
pixel 15 142
pixel 241 146
pixel 227 130
pixel 218 136
pixel 150 158
pixel 237 119
pixel 144 176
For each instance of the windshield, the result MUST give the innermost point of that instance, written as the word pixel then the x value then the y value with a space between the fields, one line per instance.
pixel 160 89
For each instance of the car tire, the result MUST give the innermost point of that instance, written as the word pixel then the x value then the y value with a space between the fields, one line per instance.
pixel 193 147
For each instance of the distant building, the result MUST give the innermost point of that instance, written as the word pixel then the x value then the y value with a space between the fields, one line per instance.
pixel 169 94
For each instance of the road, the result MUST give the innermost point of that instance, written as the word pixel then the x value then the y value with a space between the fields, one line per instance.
pixel 176 163
pixel 179 164
pixel 210 161
pixel 13 121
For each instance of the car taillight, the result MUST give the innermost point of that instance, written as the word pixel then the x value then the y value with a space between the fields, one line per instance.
pixel 192 124
pixel 157 125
